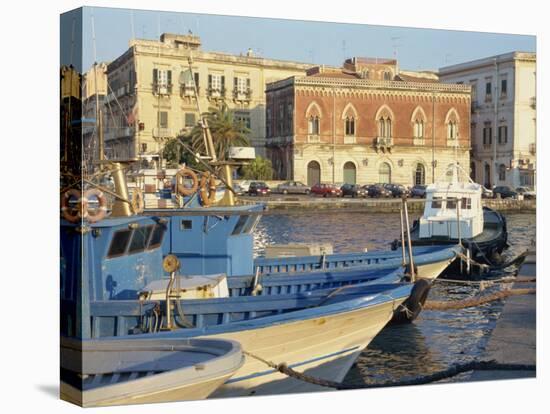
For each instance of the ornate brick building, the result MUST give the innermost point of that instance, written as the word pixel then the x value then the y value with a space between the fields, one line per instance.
pixel 364 123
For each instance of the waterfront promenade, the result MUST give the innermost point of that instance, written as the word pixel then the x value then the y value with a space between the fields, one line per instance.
pixel 513 341
pixel 292 203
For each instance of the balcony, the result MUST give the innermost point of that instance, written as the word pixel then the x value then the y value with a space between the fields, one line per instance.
pixel 188 91
pixel 383 144
pixel 313 138
pixel 215 93
pixel 161 89
pixel 162 133
pixel 115 133
pixel 349 139
pixel 488 98
pixel 242 95
pixel 419 141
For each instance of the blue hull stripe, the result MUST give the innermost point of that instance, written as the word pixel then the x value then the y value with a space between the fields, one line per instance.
pixel 297 364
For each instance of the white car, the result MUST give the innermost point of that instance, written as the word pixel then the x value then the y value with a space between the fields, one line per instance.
pixel 245 184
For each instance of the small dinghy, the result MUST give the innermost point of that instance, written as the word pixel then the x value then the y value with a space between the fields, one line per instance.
pixel 135 371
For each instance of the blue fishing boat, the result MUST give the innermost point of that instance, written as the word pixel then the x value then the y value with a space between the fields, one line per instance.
pixel 318 322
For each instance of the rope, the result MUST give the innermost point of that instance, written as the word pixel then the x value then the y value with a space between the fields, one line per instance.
pixel 476 300
pixel 452 371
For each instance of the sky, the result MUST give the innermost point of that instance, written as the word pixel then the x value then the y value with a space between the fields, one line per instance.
pixel 302 41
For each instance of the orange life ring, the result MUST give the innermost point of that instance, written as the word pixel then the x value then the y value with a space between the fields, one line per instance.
pixel 138 203
pixel 73 214
pixel 207 190
pixel 180 188
pixel 101 211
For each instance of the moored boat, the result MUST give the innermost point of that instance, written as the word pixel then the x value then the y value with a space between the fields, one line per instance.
pixel 136 371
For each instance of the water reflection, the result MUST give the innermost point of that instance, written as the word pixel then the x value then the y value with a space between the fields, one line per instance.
pixel 435 340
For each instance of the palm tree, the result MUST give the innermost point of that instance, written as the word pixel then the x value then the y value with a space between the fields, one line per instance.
pixel 226 132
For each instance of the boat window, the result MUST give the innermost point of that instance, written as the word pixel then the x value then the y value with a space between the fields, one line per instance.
pixel 466 203
pixel 436 202
pixel 451 204
pixel 156 237
pixel 186 225
pixel 119 242
pixel 240 224
pixel 251 223
pixel 140 239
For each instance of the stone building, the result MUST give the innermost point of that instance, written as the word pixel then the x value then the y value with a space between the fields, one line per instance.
pixel 151 97
pixel 503 124
pixel 366 122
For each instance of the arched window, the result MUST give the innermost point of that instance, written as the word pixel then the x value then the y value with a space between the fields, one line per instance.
pixel 419 129
pixel 452 130
pixel 384 127
pixel 313 125
pixel 350 126
pixel 502 172
pixel 420 174
pixel 384 173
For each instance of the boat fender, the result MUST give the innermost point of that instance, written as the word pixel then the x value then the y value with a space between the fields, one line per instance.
pixel 101 211
pixel 70 214
pixel 138 203
pixel 410 309
pixel 186 173
pixel 207 190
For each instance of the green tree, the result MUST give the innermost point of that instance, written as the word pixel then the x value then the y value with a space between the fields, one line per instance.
pixel 226 132
pixel 259 169
pixel 175 154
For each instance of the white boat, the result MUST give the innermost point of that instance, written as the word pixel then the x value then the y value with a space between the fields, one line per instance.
pixel 136 371
pixel 454 213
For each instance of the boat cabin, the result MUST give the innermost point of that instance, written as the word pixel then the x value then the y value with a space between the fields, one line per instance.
pixel 441 218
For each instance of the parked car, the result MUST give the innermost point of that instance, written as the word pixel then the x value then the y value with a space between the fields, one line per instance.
pixel 378 191
pixel 258 188
pixel 326 190
pixel 293 187
pixel 236 187
pixel 418 191
pixel 504 191
pixel 353 190
pixel 526 192
pixel 245 184
pixel 397 190
pixel 486 193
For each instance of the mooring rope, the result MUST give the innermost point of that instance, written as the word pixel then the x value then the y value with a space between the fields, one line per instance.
pixel 476 300
pixel 450 372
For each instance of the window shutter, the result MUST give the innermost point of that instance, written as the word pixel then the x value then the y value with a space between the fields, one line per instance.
pixel 155 75
pixel 223 83
pixel 235 82
pixel 169 76
pixel 209 81
pixel 247 83
pixel 196 79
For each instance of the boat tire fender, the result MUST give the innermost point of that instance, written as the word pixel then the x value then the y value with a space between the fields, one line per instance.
pixel 411 308
pixel 180 176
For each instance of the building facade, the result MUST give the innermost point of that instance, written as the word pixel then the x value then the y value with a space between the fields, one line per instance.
pixel 366 122
pixel 152 92
pixel 503 121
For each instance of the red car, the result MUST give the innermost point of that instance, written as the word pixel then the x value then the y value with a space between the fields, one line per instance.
pixel 326 190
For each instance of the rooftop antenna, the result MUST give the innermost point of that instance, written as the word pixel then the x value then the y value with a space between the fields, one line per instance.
pixel 132 24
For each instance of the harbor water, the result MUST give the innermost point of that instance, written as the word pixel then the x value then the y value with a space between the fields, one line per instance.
pixel 437 339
